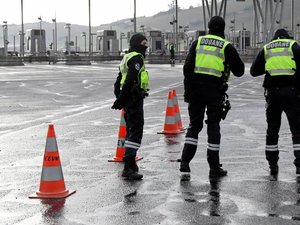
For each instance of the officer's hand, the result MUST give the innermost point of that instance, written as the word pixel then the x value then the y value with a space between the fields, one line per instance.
pixel 117 105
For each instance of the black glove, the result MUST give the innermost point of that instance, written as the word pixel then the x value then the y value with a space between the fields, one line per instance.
pixel 118 104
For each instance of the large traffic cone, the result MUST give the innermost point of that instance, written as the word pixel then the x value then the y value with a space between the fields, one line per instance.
pixel 121 141
pixel 52 183
pixel 170 126
pixel 177 111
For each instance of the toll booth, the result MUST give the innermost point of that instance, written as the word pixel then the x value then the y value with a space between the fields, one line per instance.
pixel 107 42
pixel 36 42
pixel 193 35
pixel 156 42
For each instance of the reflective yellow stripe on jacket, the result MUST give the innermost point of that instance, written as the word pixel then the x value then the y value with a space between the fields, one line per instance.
pixel 210 56
pixel 279 57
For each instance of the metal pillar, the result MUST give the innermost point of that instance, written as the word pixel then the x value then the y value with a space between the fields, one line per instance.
pixel 22 45
pixel 212 9
pixel 134 17
pixel 5 41
pixel 90 30
pixel 40 37
pixel 264 10
pixel 55 36
pixel 68 27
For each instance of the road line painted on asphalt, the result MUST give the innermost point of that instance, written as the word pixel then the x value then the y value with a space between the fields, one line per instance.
pixel 82 109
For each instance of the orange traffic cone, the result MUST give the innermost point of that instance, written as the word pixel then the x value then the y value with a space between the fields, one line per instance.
pixel 52 183
pixel 177 111
pixel 121 141
pixel 170 126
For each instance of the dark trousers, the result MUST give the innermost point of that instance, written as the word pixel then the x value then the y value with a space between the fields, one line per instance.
pixel 134 118
pixel 213 108
pixel 287 100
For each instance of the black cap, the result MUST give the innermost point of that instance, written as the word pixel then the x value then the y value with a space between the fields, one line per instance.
pixel 216 24
pixel 281 33
pixel 136 39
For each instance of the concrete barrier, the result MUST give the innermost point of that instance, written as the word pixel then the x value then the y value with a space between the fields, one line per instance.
pixel 11 61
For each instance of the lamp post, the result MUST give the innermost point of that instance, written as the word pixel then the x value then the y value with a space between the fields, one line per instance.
pixel 176 27
pixel 68 27
pixel 83 34
pixel 244 39
pixel 134 17
pixel 55 35
pixel 22 32
pixel 233 22
pixel 173 24
pixel 40 39
pixel 90 29
pixel 4 26
pixel 297 32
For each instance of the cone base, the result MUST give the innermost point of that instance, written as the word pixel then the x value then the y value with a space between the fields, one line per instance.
pixel 171 132
pixel 120 159
pixel 38 195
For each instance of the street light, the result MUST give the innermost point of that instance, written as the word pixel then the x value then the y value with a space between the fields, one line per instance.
pixel 68 27
pixel 134 17
pixel 173 24
pixel 22 32
pixel 4 26
pixel 233 22
pixel 55 35
pixel 40 41
pixel 83 34
pixel 90 28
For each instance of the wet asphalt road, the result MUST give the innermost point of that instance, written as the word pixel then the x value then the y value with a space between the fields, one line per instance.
pixel 77 100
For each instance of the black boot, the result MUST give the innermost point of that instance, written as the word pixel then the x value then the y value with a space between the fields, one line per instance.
pixel 130 167
pixel 217 172
pixel 274 169
pixel 188 154
pixel 216 169
pixel 135 166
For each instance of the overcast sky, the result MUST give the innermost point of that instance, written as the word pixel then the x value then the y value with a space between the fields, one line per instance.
pixel 76 11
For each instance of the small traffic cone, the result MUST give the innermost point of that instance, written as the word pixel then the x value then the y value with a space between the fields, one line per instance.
pixel 177 111
pixel 170 126
pixel 52 185
pixel 121 141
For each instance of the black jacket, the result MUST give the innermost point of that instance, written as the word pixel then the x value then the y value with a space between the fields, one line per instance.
pixel 193 82
pixel 258 68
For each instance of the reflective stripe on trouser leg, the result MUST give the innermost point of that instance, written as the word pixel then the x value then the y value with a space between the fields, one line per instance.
pixel 213 155
pixel 213 147
pixel 191 141
pixel 189 149
pixel 272 154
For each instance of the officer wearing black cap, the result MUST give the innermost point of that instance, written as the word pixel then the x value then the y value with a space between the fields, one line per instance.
pixel 131 87
pixel 206 72
pixel 279 60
